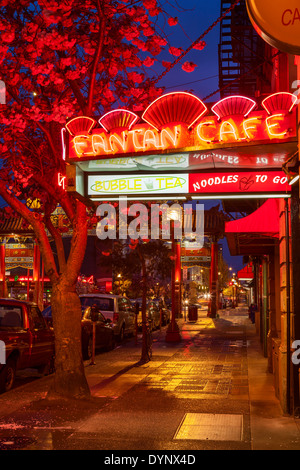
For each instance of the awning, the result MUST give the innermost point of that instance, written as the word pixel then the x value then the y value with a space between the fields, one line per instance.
pixel 245 274
pixel 256 234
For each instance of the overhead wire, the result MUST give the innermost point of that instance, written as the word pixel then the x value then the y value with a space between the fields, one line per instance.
pixel 184 53
pixel 191 83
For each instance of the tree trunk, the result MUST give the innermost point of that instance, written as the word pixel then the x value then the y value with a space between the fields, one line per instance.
pixel 144 357
pixel 69 379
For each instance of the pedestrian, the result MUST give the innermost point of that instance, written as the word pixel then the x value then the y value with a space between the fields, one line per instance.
pixel 252 310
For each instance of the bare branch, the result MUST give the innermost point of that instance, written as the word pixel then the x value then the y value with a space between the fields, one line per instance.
pixel 58 243
pixel 102 30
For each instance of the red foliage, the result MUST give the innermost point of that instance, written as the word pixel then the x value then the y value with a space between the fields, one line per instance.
pixel 173 21
pixel 200 45
pixel 189 66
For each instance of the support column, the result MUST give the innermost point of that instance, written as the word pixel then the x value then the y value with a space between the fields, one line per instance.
pixel 285 281
pixel 173 334
pixel 178 279
pixel 3 286
pixel 265 312
pixel 273 290
pixel 295 228
pixel 295 315
pixel 213 281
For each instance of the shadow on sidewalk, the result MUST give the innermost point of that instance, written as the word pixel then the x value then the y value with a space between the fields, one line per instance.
pixel 114 377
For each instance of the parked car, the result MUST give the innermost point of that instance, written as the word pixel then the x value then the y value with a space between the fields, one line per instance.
pixel 28 340
pixel 117 308
pixel 105 338
pixel 152 314
pixel 166 312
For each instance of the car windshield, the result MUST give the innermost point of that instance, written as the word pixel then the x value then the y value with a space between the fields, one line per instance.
pixel 10 316
pixel 105 304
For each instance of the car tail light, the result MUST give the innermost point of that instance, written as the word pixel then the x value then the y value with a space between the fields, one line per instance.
pixel 116 317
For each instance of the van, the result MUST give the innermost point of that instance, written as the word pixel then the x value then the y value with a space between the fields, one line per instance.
pixel 118 309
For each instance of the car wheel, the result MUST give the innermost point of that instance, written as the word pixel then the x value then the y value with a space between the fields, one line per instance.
pixel 8 376
pixel 88 349
pixel 48 368
pixel 111 343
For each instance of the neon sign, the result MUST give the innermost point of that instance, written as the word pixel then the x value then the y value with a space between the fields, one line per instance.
pixel 132 184
pixel 241 182
pixel 184 183
pixel 170 127
pixel 61 180
pixel 277 23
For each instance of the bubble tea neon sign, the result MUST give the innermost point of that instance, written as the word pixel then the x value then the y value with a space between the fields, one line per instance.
pixel 180 121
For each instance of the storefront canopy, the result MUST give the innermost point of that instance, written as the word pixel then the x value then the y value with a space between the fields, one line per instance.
pixel 256 234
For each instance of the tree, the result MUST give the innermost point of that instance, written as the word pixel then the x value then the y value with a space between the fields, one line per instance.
pixel 147 258
pixel 60 59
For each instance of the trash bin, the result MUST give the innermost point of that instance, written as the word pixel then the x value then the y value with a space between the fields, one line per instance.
pixel 193 313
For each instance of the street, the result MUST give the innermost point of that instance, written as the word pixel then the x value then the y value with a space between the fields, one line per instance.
pixel 211 391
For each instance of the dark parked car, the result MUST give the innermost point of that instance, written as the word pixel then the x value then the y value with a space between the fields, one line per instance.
pixel 28 340
pixel 117 308
pixel 166 312
pixel 105 338
pixel 152 313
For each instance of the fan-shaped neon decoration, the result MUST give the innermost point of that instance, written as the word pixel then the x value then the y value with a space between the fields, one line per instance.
pixel 233 105
pixel 118 119
pixel 176 107
pixel 282 101
pixel 80 124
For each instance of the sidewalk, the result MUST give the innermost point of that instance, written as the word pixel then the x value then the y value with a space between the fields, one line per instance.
pixel 211 391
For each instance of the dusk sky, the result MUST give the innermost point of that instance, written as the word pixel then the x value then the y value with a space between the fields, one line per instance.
pixel 195 17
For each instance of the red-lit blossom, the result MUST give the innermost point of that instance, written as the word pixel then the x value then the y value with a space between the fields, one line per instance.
pixel 200 45
pixel 189 67
pixel 176 51
pixel 173 21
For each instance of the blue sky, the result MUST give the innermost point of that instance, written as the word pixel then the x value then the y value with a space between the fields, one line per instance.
pixel 197 16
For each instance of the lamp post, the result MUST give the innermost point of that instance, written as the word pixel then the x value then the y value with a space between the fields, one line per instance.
pixel 186 309
pixel 173 334
pixel 119 276
pixel 213 303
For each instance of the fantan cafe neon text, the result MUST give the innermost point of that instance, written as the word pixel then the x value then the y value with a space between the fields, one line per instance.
pixel 208 133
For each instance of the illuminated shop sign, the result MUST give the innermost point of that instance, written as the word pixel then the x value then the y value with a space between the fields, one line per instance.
pixel 244 182
pixel 193 161
pixel 19 255
pixel 179 122
pixel 140 163
pixel 142 184
pixel 184 183
pixel 278 23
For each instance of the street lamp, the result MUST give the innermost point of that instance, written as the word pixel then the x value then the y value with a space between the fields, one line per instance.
pixel 119 276
pixel 173 335
pixel 186 308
